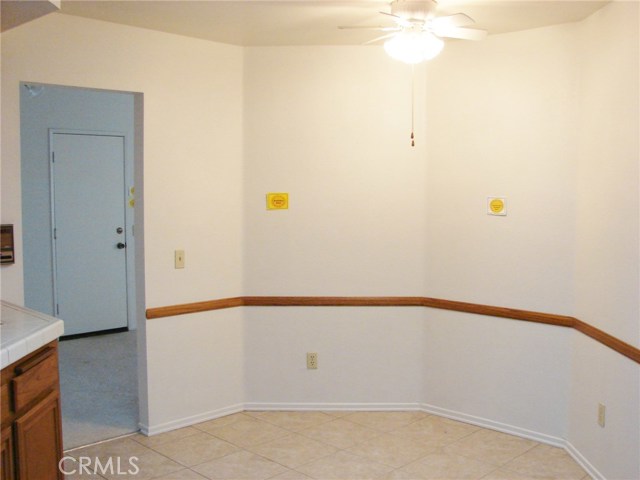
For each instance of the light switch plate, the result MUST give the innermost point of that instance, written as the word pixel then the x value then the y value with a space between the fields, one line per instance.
pixel 602 409
pixel 179 259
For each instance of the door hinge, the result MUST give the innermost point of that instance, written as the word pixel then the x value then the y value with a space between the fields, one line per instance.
pixel 55 233
pixel 53 157
pixel 57 309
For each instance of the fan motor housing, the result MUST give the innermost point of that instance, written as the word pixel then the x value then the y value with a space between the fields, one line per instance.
pixel 413 9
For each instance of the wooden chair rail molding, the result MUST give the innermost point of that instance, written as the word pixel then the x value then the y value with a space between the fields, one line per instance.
pixel 604 338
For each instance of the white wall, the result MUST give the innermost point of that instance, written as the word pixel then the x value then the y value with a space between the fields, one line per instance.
pixel 599 375
pixel 607 263
pixel 195 368
pixel 501 115
pixel 367 357
pixel 549 119
pixel 510 375
pixel 501 119
pixel 192 184
pixel 608 201
pixel 331 126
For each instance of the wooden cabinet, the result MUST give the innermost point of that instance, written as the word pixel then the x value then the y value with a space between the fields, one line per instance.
pixel 8 472
pixel 31 419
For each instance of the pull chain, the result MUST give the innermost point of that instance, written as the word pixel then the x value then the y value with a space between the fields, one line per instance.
pixel 413 75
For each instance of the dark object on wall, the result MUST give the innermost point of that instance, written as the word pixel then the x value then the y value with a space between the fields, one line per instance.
pixel 6 244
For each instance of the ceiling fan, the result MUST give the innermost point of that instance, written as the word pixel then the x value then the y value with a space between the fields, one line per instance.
pixel 417 35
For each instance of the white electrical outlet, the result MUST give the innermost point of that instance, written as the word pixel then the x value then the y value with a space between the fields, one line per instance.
pixel 602 409
pixel 312 361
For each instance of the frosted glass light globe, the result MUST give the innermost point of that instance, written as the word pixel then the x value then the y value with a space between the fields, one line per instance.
pixel 412 46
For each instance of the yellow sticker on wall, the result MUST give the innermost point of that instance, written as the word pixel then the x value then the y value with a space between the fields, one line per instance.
pixel 497 206
pixel 277 201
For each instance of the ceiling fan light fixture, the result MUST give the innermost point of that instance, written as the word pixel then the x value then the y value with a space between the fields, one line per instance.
pixel 410 46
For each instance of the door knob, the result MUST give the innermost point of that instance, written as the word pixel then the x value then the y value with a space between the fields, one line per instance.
pixel 121 245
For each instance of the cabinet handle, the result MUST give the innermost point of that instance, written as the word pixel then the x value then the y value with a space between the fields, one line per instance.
pixel 33 361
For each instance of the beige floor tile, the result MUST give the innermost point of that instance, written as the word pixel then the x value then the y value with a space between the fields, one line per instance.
pixel 249 432
pixel 340 433
pixel 392 450
pixel 184 474
pixel 221 421
pixel 435 431
pixel 346 466
pixel 77 475
pixel 547 462
pixel 490 446
pixel 291 475
pixel 417 448
pixel 121 447
pixel 338 413
pixel 240 466
pixel 502 474
pixel 78 472
pixel 442 466
pixel 385 421
pixel 146 466
pixel 293 421
pixel 161 438
pixel 83 476
pixel 293 450
pixel 195 449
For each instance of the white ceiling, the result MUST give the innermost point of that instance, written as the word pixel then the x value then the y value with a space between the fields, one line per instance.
pixel 312 22
pixel 14 12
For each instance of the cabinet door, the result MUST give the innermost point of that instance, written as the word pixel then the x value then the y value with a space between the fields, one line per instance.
pixel 7 472
pixel 39 440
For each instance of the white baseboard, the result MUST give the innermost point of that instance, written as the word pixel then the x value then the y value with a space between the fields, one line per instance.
pixel 583 462
pixel 493 425
pixel 188 421
pixel 327 407
pixel 518 432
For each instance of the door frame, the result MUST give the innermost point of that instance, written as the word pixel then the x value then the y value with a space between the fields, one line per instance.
pixel 128 224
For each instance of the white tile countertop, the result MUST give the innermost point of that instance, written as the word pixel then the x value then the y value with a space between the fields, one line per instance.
pixel 23 331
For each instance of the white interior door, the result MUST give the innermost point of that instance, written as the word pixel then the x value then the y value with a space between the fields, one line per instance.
pixel 87 172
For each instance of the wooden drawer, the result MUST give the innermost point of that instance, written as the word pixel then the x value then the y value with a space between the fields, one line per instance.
pixel 34 378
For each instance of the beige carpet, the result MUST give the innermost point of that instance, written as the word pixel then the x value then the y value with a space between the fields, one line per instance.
pixel 98 381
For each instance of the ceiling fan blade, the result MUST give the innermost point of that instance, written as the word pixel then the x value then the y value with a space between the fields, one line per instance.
pixel 455 20
pixel 403 22
pixel 389 14
pixel 383 37
pixel 461 33
pixel 382 29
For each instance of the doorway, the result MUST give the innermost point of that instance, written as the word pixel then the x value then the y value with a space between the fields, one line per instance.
pixel 79 249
